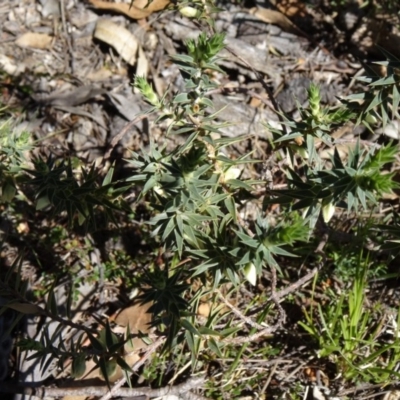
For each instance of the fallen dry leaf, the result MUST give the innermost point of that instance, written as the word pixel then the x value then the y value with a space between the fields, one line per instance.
pixel 142 67
pixel 99 75
pixel 139 320
pixel 35 40
pixel 119 38
pixel 138 10
pixel 254 102
pixel 275 18
pixel 204 309
pixel 71 98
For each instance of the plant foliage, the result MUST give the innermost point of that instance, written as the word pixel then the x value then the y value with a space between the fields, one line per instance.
pixel 194 191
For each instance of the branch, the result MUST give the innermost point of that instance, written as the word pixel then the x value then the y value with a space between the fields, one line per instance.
pixel 98 391
pixel 245 319
pixel 121 134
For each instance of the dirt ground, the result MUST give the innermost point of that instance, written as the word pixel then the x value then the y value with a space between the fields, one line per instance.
pixel 68 65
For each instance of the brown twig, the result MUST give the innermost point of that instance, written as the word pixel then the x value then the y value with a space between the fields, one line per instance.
pixel 251 338
pixel 264 331
pixel 282 315
pixel 245 319
pixel 68 38
pixel 42 392
pixel 306 278
pixel 121 134
pixel 192 396
pixel 293 287
pixel 361 387
pixel 275 298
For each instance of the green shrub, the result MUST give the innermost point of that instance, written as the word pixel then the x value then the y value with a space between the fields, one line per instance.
pixel 194 193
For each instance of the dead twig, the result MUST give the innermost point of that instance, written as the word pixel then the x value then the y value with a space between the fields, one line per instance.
pixel 238 313
pixel 306 278
pixel 192 396
pixel 282 315
pixel 121 134
pixel 268 331
pixel 42 392
pixel 293 287
pixel 68 38
pixel 275 298
pixel 270 375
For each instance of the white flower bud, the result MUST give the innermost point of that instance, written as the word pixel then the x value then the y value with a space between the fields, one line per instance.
pixel 232 173
pixel 328 210
pixel 250 273
pixel 159 190
pixel 190 12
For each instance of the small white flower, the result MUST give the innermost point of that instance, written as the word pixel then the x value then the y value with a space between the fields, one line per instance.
pixel 305 212
pixel 250 273
pixel 232 173
pixel 328 210
pixel 159 190
pixel 302 151
pixel 190 12
pixel 371 119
